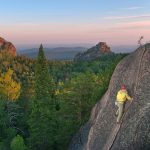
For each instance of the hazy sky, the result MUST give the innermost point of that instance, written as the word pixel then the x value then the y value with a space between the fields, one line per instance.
pixel 74 21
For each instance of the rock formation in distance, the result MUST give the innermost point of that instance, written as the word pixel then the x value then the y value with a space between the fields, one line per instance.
pixel 93 53
pixel 7 46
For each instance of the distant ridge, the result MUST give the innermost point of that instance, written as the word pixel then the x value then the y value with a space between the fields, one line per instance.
pixel 58 53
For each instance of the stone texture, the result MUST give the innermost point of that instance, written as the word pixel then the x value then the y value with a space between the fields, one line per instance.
pixel 134 132
pixel 7 46
pixel 93 53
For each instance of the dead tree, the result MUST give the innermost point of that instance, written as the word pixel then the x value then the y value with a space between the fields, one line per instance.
pixel 139 41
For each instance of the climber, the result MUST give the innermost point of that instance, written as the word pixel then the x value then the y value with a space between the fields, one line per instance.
pixel 122 96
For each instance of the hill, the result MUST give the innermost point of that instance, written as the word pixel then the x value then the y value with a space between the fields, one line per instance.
pixel 58 53
pixel 102 132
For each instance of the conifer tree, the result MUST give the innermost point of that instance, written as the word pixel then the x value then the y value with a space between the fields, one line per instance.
pixel 41 118
pixel 18 143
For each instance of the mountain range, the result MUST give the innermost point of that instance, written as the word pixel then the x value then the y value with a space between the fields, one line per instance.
pixel 58 53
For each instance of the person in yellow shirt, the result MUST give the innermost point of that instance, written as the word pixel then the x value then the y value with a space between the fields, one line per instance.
pixel 122 96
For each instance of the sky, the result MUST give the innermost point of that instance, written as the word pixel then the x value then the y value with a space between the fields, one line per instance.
pixel 54 22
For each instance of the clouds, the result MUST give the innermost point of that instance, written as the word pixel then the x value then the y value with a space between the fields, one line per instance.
pixel 127 9
pixel 113 33
pixel 134 25
pixel 76 21
pixel 133 8
pixel 51 32
pixel 146 16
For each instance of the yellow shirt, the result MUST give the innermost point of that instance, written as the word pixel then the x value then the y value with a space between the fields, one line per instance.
pixel 122 96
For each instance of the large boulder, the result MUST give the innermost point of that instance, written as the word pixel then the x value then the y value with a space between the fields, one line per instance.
pixel 93 53
pixel 7 46
pixel 102 132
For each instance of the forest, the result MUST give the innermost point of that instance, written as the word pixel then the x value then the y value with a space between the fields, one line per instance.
pixel 44 103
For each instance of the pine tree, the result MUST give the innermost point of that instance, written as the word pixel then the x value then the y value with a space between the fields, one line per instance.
pixel 41 118
pixel 18 143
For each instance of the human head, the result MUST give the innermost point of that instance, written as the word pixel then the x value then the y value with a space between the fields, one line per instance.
pixel 123 87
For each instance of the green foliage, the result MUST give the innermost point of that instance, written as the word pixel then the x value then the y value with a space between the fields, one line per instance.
pixel 41 119
pixel 55 100
pixel 82 95
pixel 85 85
pixel 18 143
pixel 42 81
pixel 6 132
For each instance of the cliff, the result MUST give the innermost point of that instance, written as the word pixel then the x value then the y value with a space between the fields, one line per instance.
pixel 102 132
pixel 7 46
pixel 93 53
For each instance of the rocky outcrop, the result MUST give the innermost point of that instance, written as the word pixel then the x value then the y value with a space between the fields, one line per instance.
pixel 101 132
pixel 93 53
pixel 7 46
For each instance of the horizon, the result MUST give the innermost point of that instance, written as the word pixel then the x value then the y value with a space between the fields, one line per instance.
pixel 114 48
pixel 74 22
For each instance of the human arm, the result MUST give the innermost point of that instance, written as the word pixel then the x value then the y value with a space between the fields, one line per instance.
pixel 128 97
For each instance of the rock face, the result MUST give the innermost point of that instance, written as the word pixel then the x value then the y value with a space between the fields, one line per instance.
pixel 101 132
pixel 7 46
pixel 95 52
